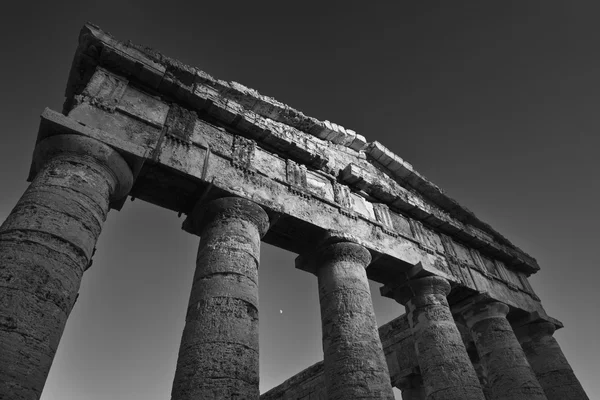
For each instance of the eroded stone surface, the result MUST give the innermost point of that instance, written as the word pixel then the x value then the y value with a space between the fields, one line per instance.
pixel 548 362
pixel 186 133
pixel 509 375
pixel 355 366
pixel 218 357
pixel 443 360
pixel 46 244
pixel 280 127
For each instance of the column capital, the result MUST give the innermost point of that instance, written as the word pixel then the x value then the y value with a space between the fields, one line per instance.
pixel 230 208
pixel 428 285
pixel 330 250
pixel 534 330
pixel 85 148
pixel 479 309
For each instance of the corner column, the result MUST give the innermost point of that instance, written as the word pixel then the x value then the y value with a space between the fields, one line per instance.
pixel 548 362
pixel 443 360
pixel 218 356
pixel 46 244
pixel 354 362
pixel 510 376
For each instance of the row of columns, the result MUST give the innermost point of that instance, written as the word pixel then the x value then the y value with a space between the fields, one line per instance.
pixel 516 365
pixel 48 240
pixel 219 351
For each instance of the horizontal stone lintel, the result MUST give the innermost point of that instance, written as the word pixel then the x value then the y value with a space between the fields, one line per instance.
pixel 286 142
pixel 196 166
pixel 230 101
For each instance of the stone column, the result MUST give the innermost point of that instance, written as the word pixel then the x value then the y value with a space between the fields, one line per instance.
pixel 445 366
pixel 354 362
pixel 46 244
pixel 218 357
pixel 509 375
pixel 548 362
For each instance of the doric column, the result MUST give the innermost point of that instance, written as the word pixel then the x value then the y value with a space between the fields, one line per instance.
pixel 548 362
pixel 445 366
pixel 354 362
pixel 218 357
pixel 46 244
pixel 509 375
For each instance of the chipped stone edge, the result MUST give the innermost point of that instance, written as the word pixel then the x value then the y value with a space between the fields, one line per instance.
pixel 165 74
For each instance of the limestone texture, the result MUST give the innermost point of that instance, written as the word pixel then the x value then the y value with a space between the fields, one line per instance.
pixel 355 366
pixel 443 360
pixel 548 362
pixel 46 244
pixel 309 383
pixel 322 145
pixel 399 350
pixel 188 137
pixel 218 356
pixel 195 131
pixel 509 375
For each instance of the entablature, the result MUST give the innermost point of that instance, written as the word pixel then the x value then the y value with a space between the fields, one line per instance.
pixel 188 137
pixel 276 124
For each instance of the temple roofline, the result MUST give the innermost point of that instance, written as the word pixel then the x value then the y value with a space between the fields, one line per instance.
pixel 173 79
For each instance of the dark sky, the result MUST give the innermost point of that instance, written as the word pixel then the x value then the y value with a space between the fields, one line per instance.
pixel 496 102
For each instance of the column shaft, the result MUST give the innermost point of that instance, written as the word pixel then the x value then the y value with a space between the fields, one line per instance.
pixel 509 375
pixel 218 357
pixel 445 366
pixel 549 363
pixel 354 362
pixel 46 244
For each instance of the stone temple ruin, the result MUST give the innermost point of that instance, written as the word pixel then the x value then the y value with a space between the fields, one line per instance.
pixel 244 168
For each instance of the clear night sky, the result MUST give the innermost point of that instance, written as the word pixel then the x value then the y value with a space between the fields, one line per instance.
pixel 496 103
